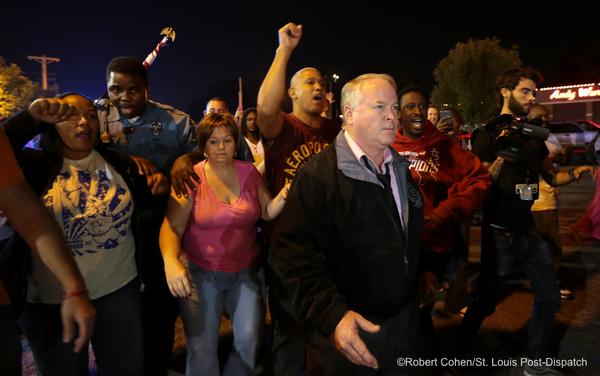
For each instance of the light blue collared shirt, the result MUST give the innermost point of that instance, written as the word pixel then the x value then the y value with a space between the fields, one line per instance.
pixel 385 167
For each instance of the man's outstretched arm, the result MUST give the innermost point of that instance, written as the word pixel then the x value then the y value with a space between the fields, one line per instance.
pixel 272 90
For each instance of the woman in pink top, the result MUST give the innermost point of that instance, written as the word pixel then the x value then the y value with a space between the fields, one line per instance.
pixel 209 246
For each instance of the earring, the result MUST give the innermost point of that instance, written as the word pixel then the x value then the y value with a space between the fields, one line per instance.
pixel 205 156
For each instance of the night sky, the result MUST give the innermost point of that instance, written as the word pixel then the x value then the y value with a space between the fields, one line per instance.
pixel 218 42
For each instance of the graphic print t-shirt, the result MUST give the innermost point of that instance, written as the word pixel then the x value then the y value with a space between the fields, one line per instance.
pixel 293 147
pixel 92 204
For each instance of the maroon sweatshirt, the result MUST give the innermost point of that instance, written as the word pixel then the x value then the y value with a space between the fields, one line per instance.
pixel 452 180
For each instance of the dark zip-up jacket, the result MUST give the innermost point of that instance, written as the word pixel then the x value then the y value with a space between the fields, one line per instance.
pixel 339 247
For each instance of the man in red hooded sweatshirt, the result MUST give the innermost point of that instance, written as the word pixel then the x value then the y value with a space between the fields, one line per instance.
pixel 452 180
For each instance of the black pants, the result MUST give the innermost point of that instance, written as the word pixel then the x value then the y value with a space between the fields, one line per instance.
pixel 10 343
pixel 399 337
pixel 436 263
pixel 10 338
pixel 159 307
pixel 287 353
pixel 501 252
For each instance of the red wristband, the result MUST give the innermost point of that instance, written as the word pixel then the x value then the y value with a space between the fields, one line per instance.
pixel 74 293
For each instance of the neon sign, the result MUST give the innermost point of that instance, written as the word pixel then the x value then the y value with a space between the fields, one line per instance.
pixel 571 93
pixel 588 92
pixel 568 95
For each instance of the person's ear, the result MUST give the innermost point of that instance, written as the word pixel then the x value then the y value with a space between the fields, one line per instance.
pixel 292 93
pixel 348 112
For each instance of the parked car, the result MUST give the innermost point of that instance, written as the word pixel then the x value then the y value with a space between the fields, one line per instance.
pixel 589 125
pixel 575 136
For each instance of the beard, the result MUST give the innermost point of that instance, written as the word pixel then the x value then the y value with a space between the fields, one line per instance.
pixel 515 107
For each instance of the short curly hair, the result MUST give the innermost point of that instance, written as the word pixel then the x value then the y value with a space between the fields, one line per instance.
pixel 510 79
pixel 212 121
pixel 127 65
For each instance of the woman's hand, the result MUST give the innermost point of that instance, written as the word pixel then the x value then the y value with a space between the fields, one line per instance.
pixel 177 278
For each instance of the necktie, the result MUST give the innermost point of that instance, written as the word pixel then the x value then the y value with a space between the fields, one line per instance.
pixel 385 179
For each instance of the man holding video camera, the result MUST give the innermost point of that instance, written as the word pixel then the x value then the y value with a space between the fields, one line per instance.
pixel 516 156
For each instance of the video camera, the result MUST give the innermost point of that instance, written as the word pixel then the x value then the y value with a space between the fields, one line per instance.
pixel 512 137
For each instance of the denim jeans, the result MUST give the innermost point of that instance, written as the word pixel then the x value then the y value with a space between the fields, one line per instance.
pixel 117 338
pixel 546 224
pixel 240 294
pixel 501 252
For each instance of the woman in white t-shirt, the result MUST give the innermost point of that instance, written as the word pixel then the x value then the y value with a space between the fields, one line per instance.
pixel 91 192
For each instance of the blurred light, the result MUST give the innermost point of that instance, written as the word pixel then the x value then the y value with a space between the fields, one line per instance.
pixel 565 87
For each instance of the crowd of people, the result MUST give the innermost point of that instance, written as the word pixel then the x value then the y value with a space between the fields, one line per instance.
pixel 347 228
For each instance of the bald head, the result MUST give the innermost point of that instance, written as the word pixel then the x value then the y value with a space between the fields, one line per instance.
pixel 297 78
pixel 307 92
pixel 217 105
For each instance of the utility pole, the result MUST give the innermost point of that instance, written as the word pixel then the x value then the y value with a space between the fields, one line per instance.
pixel 44 60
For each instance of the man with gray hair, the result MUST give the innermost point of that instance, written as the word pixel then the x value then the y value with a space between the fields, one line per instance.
pixel 348 243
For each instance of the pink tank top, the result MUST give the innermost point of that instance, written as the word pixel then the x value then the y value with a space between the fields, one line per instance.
pixel 220 236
